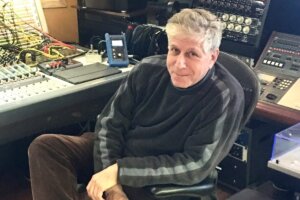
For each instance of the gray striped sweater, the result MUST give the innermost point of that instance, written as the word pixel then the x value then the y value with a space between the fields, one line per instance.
pixel 159 134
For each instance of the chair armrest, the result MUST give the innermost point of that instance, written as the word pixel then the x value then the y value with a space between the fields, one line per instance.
pixel 204 188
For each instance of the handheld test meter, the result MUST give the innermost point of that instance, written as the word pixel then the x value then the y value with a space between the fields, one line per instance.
pixel 116 50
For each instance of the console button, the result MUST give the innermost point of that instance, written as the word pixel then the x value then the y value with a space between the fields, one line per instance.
pixel 271 96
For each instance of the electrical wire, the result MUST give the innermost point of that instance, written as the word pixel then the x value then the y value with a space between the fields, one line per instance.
pixel 19 35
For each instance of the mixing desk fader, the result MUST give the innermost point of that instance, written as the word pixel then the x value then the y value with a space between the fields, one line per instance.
pixel 19 81
pixel 278 69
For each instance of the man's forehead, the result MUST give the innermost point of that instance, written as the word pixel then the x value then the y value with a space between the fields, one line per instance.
pixel 188 42
pixel 194 38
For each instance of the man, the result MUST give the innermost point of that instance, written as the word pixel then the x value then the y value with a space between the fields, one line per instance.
pixel 162 126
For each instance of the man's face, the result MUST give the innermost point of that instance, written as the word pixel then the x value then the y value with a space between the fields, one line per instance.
pixel 187 62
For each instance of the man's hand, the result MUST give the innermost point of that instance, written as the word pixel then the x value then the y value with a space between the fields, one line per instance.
pixel 102 181
pixel 115 193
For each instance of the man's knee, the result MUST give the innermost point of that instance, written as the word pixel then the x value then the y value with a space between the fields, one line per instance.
pixel 41 144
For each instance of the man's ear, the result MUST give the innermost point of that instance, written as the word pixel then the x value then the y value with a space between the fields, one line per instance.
pixel 214 56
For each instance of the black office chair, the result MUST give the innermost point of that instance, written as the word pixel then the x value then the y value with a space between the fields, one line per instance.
pixel 250 83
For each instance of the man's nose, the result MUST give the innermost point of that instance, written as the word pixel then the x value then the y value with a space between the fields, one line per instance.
pixel 180 61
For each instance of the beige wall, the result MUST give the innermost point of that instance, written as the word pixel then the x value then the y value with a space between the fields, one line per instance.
pixel 61 18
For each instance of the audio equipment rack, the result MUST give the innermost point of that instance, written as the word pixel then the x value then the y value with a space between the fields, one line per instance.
pixel 242 21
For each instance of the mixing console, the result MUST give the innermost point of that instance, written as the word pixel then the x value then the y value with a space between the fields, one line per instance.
pixel 19 82
pixel 33 94
pixel 279 70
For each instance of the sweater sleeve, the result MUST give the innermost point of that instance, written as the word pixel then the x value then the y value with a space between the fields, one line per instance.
pixel 112 123
pixel 204 149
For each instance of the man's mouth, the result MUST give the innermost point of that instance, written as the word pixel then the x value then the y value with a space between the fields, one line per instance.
pixel 181 75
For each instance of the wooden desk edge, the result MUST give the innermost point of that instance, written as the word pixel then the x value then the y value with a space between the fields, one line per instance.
pixel 277 113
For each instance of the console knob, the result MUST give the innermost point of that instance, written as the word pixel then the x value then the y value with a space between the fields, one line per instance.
pixel 225 17
pixel 228 5
pixel 223 24
pixel 240 19
pixel 248 21
pixel 232 18
pixel 230 26
pixel 241 7
pixel 238 28
pixel 246 29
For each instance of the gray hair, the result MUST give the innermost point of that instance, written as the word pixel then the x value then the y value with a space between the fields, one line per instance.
pixel 198 22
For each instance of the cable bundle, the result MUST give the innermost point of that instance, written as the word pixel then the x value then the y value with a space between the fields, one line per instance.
pixel 146 40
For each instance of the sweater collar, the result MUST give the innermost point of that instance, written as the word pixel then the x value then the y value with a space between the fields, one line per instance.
pixel 197 86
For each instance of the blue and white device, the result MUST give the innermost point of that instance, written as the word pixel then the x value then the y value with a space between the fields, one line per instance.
pixel 116 50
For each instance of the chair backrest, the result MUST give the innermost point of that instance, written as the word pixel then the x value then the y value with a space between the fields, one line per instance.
pixel 248 80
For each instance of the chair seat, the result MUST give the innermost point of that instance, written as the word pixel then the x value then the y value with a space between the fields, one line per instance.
pixel 204 188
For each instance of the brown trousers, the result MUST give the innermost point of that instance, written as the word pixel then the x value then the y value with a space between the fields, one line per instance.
pixel 59 162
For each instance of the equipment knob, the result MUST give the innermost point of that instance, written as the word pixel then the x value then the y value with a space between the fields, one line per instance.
pixel 234 6
pixel 241 7
pixel 225 17
pixel 223 24
pixel 240 19
pixel 230 26
pixel 248 21
pixel 248 9
pixel 232 18
pixel 228 5
pixel 238 28
pixel 246 29
pixel 215 4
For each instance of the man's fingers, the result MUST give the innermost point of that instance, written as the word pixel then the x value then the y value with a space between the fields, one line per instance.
pixel 94 191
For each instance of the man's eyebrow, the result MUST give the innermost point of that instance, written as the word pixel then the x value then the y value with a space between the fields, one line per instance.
pixel 173 45
pixel 193 49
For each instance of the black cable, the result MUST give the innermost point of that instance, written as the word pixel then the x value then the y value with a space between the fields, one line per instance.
pixel 101 46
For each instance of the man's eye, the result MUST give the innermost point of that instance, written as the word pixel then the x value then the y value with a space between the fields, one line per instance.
pixel 192 54
pixel 173 50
